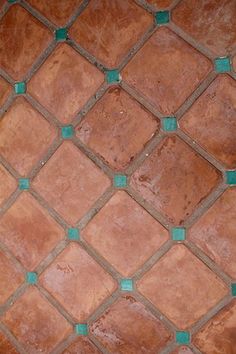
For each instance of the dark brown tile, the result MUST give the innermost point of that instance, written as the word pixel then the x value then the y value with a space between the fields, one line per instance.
pixel 5 90
pixel 9 183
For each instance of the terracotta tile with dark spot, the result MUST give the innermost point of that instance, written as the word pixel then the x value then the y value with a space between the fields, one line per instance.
pixel 59 12
pixel 70 182
pixel 160 4
pixel 82 345
pixel 11 278
pixel 9 183
pixel 109 35
pixel 211 22
pixel 171 179
pixel 182 350
pixel 211 121
pixel 5 90
pixel 166 70
pixel 177 285
pixel 218 335
pixel 6 347
pixel 25 136
pixel 29 231
pixel 215 232
pixel 65 82
pixel 125 234
pixel 128 328
pixel 117 128
pixel 19 33
pixel 37 325
pixel 75 278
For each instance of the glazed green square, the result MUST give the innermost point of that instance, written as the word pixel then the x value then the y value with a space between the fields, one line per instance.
pixel 233 289
pixel 169 124
pixel 112 76
pixel 120 181
pixel 162 17
pixel 24 183
pixel 31 278
pixel 20 87
pixel 126 284
pixel 73 234
pixel 11 1
pixel 182 337
pixel 222 65
pixel 178 234
pixel 67 131
pixel 231 177
pixel 61 34
pixel 81 329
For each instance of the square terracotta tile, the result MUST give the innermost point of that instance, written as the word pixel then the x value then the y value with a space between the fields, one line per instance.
pixel 125 234
pixel 25 136
pixel 29 231
pixel 171 179
pixel 177 285
pixel 5 90
pixel 126 327
pixel 21 32
pixel 65 82
pixel 117 128
pixel 166 70
pixel 70 182
pixel 81 345
pixel 5 345
pixel 110 40
pixel 37 325
pixel 9 183
pixel 78 282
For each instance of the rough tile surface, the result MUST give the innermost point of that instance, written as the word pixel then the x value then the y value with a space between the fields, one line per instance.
pixel 82 345
pixel 5 89
pixel 9 183
pixel 5 345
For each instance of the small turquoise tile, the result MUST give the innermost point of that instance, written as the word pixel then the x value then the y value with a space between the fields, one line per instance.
pixel 126 284
pixel 233 289
pixel 169 124
pixel 182 337
pixel 24 183
pixel 120 181
pixel 222 65
pixel 178 234
pixel 11 1
pixel 112 76
pixel 20 87
pixel 73 234
pixel 31 277
pixel 61 34
pixel 67 131
pixel 81 329
pixel 231 177
pixel 162 17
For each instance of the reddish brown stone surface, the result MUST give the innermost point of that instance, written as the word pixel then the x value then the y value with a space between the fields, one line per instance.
pixel 5 89
pixel 81 345
pixel 127 327
pixel 9 183
pixel 117 128
pixel 5 345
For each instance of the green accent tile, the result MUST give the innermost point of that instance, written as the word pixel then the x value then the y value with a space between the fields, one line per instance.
pixel 61 34
pixel 112 76
pixel 162 17
pixel 67 131
pixel 126 284
pixel 231 177
pixel 169 124
pixel 73 234
pixel 233 289
pixel 24 183
pixel 20 87
pixel 31 277
pixel 182 337
pixel 222 65
pixel 178 234
pixel 11 1
pixel 81 329
pixel 120 181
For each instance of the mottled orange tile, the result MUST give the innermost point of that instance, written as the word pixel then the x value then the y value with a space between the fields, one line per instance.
pixel 182 350
pixel 166 70
pixel 160 4
pixel 211 22
pixel 171 179
pixel 110 34
pixel 5 89
pixel 81 345
pixel 117 128
pixel 6 347
pixel 65 82
pixel 218 335
pixel 19 33
pixel 37 325
pixel 25 136
pixel 78 282
pixel 211 121
pixel 215 232
pixel 8 182
pixel 71 182
pixel 29 231
pixel 177 285
pixel 125 234
pixel 59 12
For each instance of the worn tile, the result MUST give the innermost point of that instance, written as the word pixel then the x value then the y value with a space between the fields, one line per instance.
pixel 128 328
pixel 125 234
pixel 211 121
pixel 166 70
pixel 5 90
pixel 81 345
pixel 37 325
pixel 117 128
pixel 160 4
pixel 75 278
pixel 9 183
pixel 171 179
pixel 17 231
pixel 111 39
pixel 11 278
pixel 218 335
pixel 211 22
pixel 5 345
pixel 25 136
pixel 65 82
pixel 215 232
pixel 182 350
pixel 177 285
pixel 59 12
pixel 70 182
pixel 19 33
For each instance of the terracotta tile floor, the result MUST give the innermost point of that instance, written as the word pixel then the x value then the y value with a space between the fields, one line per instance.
pixel 117 176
